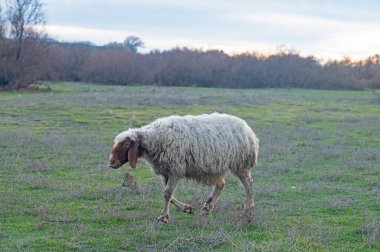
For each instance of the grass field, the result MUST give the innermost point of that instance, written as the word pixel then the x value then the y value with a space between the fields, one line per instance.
pixel 317 184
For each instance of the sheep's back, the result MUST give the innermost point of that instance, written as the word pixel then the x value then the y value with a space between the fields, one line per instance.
pixel 203 147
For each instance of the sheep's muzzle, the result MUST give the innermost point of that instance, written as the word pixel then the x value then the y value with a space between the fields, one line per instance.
pixel 113 163
pixel 119 155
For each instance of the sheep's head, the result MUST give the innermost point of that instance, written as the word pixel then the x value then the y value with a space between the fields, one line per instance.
pixel 124 150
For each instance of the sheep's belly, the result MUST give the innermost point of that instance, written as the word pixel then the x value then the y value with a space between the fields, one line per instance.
pixel 205 178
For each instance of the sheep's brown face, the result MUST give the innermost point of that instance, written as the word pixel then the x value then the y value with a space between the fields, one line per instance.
pixel 119 154
pixel 124 151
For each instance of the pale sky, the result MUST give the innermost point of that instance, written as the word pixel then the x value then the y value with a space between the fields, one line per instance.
pixel 325 29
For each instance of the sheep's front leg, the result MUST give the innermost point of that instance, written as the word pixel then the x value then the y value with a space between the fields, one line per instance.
pixel 168 194
pixel 187 208
pixel 184 207
pixel 210 203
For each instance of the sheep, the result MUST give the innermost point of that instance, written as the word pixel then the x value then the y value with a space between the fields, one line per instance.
pixel 200 147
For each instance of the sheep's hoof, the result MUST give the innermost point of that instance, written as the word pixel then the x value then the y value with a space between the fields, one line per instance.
pixel 207 208
pixel 163 218
pixel 188 209
pixel 248 211
pixel 248 216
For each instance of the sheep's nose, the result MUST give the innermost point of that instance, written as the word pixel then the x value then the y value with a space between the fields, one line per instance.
pixel 112 162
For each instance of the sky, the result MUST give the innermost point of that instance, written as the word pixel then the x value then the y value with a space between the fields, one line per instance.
pixel 324 29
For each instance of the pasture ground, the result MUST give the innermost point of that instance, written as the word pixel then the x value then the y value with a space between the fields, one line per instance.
pixel 317 184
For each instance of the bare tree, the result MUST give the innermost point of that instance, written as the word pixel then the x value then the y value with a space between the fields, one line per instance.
pixel 22 44
pixel 3 50
pixel 24 17
pixel 3 21
pixel 2 26
pixel 132 43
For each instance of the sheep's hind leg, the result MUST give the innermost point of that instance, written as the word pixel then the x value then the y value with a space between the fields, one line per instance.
pixel 246 179
pixel 184 207
pixel 168 194
pixel 210 203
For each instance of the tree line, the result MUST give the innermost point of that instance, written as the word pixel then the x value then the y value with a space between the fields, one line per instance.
pixel 119 65
pixel 28 55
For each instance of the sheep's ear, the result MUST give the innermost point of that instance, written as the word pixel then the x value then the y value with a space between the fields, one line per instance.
pixel 133 153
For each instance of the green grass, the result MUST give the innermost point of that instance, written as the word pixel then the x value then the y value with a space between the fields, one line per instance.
pixel 317 184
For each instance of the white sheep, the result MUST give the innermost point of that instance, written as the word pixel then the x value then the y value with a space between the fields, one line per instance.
pixel 200 147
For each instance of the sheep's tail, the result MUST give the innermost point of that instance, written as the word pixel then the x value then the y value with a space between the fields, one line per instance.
pixel 256 151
